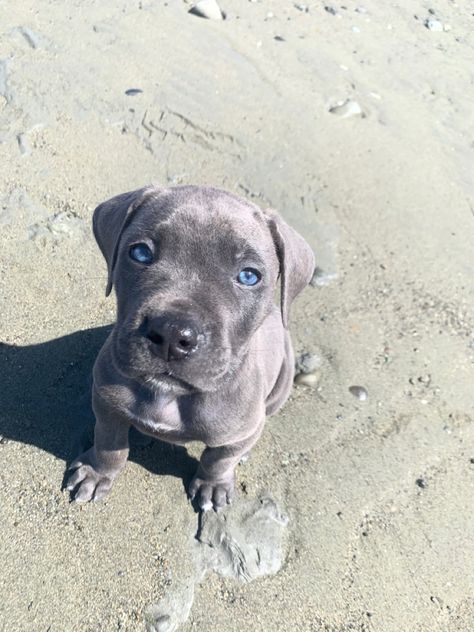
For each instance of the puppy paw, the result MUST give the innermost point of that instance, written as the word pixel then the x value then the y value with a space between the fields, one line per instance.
pixel 86 483
pixel 209 494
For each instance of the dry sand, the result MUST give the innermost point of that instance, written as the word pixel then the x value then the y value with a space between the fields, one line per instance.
pixel 378 493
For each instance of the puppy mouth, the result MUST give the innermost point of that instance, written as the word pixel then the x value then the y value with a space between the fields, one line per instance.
pixel 168 380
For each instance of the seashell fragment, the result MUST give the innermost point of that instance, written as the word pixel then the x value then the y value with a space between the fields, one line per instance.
pixel 208 9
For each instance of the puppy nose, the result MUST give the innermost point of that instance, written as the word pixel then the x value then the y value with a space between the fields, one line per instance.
pixel 173 338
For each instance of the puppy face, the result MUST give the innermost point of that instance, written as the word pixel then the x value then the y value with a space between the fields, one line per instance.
pixel 195 270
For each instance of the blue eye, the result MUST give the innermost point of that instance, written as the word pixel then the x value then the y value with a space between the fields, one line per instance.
pixel 141 253
pixel 249 276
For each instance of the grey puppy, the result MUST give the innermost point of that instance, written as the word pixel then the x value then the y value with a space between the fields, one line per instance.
pixel 199 352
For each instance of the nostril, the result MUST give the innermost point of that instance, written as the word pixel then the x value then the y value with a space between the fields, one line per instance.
pixel 184 343
pixel 156 338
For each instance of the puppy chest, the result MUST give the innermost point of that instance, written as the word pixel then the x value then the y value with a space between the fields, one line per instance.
pixel 158 417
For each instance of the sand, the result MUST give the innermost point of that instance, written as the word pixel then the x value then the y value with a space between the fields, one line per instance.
pixel 355 122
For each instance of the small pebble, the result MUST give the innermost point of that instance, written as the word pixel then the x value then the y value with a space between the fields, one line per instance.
pixel 330 10
pixel 208 9
pixel 346 109
pixel 279 38
pixel 434 25
pixel 421 483
pixel 163 623
pixel 425 379
pixel 308 362
pixel 302 7
pixel 308 379
pixel 131 92
pixel 23 144
pixel 359 391
pixel 355 29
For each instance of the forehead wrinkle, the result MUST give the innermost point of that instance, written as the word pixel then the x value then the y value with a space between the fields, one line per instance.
pixel 217 232
pixel 205 202
pixel 239 228
pixel 205 246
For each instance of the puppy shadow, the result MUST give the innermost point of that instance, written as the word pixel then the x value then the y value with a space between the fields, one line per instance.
pixel 45 401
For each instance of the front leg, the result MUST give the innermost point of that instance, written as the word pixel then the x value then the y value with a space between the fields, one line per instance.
pixel 94 471
pixel 214 481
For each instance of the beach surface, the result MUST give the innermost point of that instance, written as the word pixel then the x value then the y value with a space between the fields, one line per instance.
pixel 355 121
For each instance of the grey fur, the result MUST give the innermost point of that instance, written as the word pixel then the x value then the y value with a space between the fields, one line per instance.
pixel 241 368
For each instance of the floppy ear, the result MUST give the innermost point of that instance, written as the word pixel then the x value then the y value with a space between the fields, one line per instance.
pixel 110 220
pixel 296 261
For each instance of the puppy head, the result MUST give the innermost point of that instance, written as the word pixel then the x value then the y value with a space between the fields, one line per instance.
pixel 195 270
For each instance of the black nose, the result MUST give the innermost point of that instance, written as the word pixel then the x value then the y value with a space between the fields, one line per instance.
pixel 173 337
